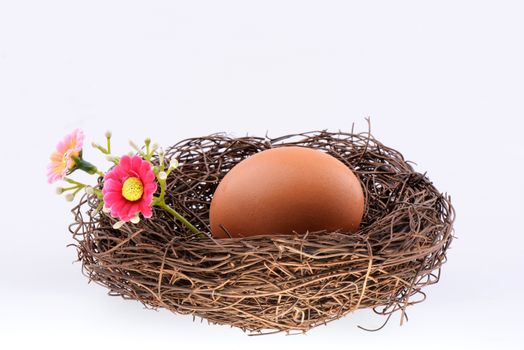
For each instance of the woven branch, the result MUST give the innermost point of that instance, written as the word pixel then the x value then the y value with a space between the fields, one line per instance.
pixel 266 284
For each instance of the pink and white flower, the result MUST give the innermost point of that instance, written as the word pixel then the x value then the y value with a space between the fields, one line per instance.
pixel 62 159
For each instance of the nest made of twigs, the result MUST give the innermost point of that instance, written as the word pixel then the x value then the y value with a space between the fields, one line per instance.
pixel 273 283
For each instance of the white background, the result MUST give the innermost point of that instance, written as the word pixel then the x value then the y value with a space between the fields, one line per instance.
pixel 443 82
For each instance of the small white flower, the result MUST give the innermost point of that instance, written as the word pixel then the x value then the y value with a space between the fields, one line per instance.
pixel 162 175
pixel 161 156
pixel 69 197
pixel 95 145
pixel 118 225
pixel 108 134
pixel 59 190
pixel 89 190
pixel 173 164
pixel 135 219
pixel 106 209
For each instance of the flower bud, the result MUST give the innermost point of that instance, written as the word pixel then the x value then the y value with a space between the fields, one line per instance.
pixel 133 145
pixel 173 163
pixel 69 197
pixel 89 190
pixel 147 141
pixel 59 190
pixel 108 134
pixel 161 156
pixel 112 158
pixel 135 219
pixel 162 175
pixel 155 146
pixel 118 225
pixel 95 145
pixel 106 209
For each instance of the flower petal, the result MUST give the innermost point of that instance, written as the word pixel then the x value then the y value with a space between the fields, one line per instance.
pixel 150 188
pixel 125 163
pixel 120 173
pixel 111 185
pixel 146 211
pixel 145 168
pixel 110 198
pixel 79 140
pixel 136 162
pixel 118 206
pixel 150 176
pixel 131 210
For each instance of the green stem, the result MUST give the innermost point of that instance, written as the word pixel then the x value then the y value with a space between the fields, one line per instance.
pixel 71 181
pixel 98 193
pixel 160 201
pixel 102 149
pixel 173 212
pixel 85 166
pixel 162 190
pixel 77 190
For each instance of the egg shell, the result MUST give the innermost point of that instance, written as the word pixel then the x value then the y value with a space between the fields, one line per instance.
pixel 285 190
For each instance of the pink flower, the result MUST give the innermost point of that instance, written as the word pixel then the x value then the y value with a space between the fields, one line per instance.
pixel 129 188
pixel 62 159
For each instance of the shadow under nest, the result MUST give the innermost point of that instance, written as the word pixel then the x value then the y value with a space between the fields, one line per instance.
pixel 274 283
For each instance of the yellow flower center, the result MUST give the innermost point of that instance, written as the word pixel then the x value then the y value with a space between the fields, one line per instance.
pixel 68 155
pixel 132 189
pixel 65 158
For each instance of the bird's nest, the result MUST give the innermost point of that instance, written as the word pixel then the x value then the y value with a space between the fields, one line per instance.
pixel 274 283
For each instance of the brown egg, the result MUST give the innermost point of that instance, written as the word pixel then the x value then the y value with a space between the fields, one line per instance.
pixel 287 189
